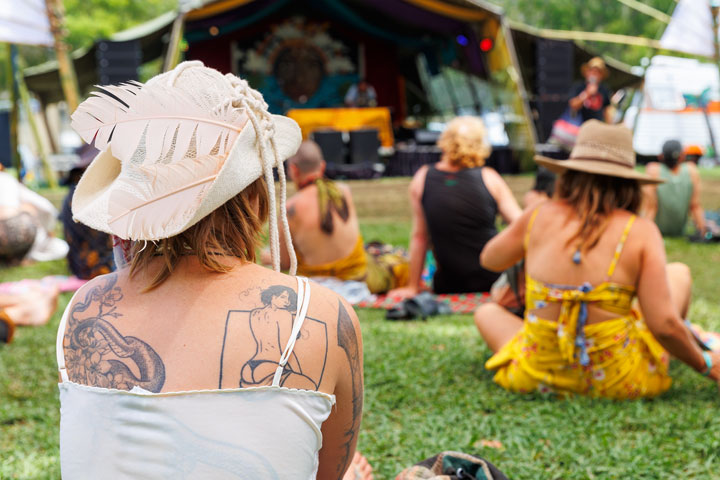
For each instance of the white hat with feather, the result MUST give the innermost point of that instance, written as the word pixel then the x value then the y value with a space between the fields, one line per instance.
pixel 175 149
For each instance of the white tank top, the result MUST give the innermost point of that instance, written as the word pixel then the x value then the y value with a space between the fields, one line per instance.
pixel 269 432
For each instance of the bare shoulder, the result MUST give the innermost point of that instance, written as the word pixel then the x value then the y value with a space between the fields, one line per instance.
pixel 491 175
pixel 332 306
pixel 346 191
pixel 653 169
pixel 644 232
pixel 97 289
pixel 693 169
pixel 344 187
pixel 97 351
pixel 546 211
pixel 417 184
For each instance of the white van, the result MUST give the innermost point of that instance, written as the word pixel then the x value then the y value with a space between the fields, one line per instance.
pixel 680 101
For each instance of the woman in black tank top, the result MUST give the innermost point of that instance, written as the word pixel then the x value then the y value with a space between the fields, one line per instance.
pixel 460 215
pixel 455 203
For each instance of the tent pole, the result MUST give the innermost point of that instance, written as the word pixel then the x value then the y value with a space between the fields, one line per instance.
pixel 14 112
pixel 48 129
pixel 172 56
pixel 66 69
pixel 714 10
pixel 25 100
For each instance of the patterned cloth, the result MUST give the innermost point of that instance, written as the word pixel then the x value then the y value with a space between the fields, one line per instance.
pixel 459 302
pixel 380 267
pixel 90 251
pixel 617 358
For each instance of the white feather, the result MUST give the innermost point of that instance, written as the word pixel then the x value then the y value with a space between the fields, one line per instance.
pixel 167 197
pixel 117 116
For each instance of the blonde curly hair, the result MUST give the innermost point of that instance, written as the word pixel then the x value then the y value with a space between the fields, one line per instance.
pixel 464 142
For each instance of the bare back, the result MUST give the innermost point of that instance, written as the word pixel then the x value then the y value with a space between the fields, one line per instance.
pixel 202 331
pixel 549 257
pixel 315 246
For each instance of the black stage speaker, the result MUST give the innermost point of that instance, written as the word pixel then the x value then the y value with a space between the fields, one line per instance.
pixel 5 152
pixel 118 62
pixel 553 79
pixel 364 145
pixel 332 145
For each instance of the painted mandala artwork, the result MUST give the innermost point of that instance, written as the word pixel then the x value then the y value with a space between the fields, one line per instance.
pixel 299 64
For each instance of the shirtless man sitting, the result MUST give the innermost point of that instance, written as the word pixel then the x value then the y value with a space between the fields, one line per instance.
pixel 325 229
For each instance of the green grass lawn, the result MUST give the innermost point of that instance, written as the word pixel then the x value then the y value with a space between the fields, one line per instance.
pixel 427 391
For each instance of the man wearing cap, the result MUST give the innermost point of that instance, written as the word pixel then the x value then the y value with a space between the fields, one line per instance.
pixel 669 203
pixel 591 98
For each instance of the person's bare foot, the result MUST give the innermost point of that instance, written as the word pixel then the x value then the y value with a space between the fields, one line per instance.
pixel 359 469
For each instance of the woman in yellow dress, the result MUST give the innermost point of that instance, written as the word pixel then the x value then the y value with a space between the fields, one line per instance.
pixel 587 258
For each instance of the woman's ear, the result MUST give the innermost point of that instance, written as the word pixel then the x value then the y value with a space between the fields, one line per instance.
pixel 255 204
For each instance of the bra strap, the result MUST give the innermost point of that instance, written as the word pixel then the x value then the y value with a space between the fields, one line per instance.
pixel 59 350
pixel 526 240
pixel 303 300
pixel 620 245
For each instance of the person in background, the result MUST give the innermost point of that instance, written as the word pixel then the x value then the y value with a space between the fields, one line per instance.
pixel 507 295
pixel 587 258
pixel 693 154
pixel 591 98
pixel 91 251
pixel 670 203
pixel 455 203
pixel 543 188
pixel 27 225
pixel 326 232
pixel 362 94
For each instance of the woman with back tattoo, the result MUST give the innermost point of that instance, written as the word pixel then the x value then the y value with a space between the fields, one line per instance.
pixel 192 361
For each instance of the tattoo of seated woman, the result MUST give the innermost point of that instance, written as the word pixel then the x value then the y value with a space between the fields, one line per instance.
pixel 271 326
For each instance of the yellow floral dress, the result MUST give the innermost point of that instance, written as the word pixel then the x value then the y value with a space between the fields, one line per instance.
pixel 617 358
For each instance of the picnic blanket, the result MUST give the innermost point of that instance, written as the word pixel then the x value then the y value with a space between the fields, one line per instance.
pixel 62 282
pixel 459 302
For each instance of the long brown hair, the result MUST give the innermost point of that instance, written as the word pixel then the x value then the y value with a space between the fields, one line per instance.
pixel 232 229
pixel 594 198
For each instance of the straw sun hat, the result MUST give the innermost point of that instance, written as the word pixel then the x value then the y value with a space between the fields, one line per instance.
pixel 601 149
pixel 175 149
pixel 595 62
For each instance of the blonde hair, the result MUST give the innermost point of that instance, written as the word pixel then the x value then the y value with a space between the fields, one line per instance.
pixel 233 229
pixel 464 142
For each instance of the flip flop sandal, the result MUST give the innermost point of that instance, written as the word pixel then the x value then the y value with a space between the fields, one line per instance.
pixel 425 305
pixel 400 312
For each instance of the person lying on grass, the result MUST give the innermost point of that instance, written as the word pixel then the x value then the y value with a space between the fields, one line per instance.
pixel 454 206
pixel 195 362
pixel 587 257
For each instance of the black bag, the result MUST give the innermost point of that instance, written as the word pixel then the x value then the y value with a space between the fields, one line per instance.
pixel 452 466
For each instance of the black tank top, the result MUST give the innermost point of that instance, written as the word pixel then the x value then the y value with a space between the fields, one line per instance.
pixel 460 214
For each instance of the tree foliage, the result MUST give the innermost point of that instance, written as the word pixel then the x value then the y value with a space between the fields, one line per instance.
pixel 89 20
pixel 609 16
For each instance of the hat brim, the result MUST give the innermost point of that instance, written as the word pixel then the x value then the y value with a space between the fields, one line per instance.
pixel 595 167
pixel 605 72
pixel 242 166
